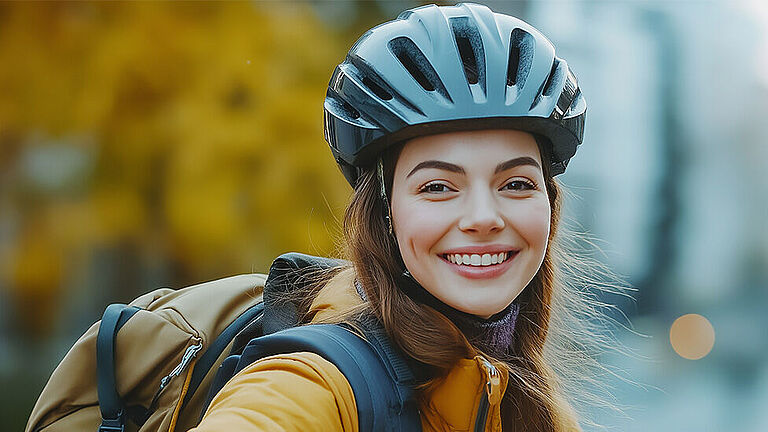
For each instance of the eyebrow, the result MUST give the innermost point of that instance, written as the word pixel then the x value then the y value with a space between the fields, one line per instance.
pixel 447 166
pixel 525 160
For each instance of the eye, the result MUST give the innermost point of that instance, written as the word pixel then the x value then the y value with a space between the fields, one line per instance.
pixel 519 185
pixel 435 187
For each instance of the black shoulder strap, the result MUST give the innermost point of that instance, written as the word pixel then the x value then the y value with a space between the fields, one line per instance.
pixel 380 379
pixel 110 402
pixel 400 370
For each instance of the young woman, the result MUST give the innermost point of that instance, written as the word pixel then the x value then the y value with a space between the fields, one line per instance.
pixel 450 123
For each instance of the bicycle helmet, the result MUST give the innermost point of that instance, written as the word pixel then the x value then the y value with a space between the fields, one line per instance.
pixel 439 69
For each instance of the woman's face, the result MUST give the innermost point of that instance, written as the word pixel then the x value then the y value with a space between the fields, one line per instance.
pixel 471 216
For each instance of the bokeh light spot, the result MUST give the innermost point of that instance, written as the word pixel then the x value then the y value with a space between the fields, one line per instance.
pixel 692 336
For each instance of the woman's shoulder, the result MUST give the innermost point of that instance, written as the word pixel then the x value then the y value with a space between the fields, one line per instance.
pixel 296 391
pixel 336 298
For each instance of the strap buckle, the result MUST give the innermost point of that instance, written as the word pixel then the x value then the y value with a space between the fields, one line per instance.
pixel 113 425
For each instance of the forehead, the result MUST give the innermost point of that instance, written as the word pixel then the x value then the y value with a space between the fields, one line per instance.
pixel 469 148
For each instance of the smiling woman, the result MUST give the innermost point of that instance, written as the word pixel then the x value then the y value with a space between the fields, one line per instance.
pixel 450 123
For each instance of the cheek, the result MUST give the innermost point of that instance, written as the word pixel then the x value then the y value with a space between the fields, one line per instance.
pixel 418 228
pixel 533 223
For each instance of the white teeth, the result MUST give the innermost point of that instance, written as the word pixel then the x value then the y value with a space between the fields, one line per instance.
pixel 476 259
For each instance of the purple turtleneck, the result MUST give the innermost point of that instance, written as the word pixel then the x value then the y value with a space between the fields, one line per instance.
pixel 494 335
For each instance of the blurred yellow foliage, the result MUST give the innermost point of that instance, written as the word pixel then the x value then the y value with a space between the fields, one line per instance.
pixel 194 132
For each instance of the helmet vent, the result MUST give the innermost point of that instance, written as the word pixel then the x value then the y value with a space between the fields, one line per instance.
pixel 555 77
pixel 376 89
pixel 553 80
pixel 349 110
pixel 467 58
pixel 470 48
pixel 378 85
pixel 405 51
pixel 417 65
pixel 577 104
pixel 521 49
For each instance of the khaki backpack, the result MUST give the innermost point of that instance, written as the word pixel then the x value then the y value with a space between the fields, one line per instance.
pixel 155 355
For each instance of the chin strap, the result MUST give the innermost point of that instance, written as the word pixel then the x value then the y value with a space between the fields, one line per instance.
pixel 405 275
pixel 383 195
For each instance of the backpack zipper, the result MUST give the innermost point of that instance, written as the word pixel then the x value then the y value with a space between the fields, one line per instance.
pixel 482 409
pixel 189 354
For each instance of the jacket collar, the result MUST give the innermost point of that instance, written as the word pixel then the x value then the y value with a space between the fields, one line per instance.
pixel 456 398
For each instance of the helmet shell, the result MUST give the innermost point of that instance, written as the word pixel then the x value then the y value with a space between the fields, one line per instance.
pixel 439 69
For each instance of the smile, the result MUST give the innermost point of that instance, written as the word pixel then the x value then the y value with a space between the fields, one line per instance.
pixel 480 266
pixel 478 260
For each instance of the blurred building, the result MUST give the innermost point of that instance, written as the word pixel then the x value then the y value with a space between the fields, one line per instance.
pixel 671 180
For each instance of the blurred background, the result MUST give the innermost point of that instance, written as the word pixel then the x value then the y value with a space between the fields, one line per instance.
pixel 152 144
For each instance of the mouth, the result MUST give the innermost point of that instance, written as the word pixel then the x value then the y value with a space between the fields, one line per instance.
pixel 479 260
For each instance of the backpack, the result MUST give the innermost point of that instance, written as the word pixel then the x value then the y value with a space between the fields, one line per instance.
pixel 156 363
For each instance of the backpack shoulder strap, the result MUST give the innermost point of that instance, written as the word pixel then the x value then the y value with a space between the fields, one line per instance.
pixel 110 402
pixel 400 369
pixel 381 381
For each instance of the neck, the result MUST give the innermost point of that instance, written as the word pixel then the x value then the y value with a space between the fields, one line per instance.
pixel 493 335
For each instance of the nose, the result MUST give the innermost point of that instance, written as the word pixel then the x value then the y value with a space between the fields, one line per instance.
pixel 483 215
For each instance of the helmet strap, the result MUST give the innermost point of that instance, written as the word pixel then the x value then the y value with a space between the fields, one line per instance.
pixel 388 217
pixel 383 193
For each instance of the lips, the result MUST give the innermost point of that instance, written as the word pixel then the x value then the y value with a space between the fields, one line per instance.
pixel 480 271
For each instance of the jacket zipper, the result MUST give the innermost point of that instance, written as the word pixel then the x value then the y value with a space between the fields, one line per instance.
pixel 482 409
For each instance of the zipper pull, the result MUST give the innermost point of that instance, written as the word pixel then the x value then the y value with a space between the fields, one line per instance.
pixel 492 375
pixel 493 378
pixel 189 354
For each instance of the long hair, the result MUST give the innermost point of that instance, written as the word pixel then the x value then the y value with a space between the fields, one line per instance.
pixel 534 399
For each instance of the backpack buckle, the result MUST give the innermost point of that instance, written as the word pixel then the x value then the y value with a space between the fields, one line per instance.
pixel 113 425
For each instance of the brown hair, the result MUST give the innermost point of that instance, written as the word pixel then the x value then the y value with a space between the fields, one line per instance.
pixel 534 399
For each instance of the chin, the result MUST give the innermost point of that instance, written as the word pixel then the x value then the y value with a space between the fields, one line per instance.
pixel 481 309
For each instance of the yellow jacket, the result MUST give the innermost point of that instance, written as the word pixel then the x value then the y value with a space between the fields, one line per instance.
pixel 304 392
